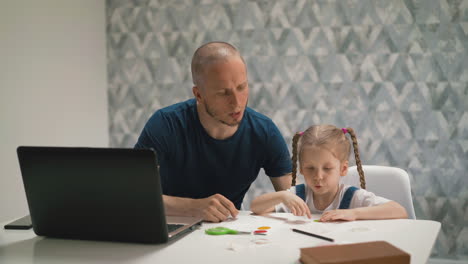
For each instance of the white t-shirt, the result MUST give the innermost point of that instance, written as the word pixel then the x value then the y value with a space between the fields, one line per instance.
pixel 361 198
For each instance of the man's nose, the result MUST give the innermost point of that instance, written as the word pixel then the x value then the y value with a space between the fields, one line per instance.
pixel 235 98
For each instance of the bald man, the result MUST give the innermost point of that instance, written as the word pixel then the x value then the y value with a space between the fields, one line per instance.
pixel 211 148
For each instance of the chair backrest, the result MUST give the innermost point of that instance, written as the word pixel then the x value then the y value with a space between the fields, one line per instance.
pixel 389 182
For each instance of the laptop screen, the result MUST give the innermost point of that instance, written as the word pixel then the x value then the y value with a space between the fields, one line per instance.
pixel 94 193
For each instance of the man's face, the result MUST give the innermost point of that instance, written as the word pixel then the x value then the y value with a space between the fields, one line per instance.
pixel 224 91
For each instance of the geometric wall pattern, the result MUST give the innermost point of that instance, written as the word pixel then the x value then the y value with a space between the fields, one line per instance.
pixel 394 70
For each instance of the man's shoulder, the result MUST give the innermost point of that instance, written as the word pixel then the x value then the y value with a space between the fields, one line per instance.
pixel 179 113
pixel 178 108
pixel 261 125
pixel 258 117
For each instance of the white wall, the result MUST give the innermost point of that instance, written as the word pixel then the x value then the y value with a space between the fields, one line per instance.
pixel 53 83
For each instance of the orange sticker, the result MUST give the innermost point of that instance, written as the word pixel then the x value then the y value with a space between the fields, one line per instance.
pixel 264 227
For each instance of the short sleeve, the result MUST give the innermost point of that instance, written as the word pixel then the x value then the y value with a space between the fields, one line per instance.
pixel 363 198
pixel 278 161
pixel 155 135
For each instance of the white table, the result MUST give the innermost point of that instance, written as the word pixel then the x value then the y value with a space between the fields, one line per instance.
pixel 281 245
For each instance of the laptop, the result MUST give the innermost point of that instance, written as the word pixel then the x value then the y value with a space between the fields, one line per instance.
pixel 105 194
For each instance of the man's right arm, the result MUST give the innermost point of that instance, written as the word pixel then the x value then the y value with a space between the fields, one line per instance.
pixel 157 134
pixel 215 208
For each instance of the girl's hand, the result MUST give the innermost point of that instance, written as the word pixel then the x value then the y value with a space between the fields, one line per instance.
pixel 339 214
pixel 297 206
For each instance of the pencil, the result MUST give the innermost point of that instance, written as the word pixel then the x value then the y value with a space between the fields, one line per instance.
pixel 313 235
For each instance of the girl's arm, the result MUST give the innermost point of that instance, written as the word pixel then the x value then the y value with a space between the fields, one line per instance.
pixel 389 210
pixel 266 203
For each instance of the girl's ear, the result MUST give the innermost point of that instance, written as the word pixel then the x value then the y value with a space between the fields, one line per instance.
pixel 344 168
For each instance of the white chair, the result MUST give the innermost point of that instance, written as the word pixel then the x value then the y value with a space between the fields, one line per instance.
pixel 389 182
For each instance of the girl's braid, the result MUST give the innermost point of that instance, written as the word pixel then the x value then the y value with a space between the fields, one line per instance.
pixel 294 157
pixel 357 158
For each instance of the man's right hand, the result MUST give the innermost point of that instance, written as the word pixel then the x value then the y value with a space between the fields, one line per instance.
pixel 215 208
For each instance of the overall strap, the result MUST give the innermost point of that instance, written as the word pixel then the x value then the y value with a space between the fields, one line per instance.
pixel 300 191
pixel 347 197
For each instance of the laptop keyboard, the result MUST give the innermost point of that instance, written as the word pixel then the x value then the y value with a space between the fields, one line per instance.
pixel 172 227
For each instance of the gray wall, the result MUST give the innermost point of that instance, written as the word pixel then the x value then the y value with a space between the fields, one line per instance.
pixel 52 84
pixel 395 70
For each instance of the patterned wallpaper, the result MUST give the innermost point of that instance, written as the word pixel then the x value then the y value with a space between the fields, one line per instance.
pixel 395 70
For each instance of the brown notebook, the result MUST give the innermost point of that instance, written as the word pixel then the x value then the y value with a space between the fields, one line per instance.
pixel 363 253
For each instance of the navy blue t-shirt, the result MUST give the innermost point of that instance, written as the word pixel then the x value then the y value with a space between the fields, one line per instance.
pixel 195 165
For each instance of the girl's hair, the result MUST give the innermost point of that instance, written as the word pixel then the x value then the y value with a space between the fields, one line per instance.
pixel 330 137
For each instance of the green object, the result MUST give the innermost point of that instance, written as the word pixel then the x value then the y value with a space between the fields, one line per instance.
pixel 316 220
pixel 215 231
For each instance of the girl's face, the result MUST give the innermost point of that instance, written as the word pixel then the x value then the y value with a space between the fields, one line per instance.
pixel 322 170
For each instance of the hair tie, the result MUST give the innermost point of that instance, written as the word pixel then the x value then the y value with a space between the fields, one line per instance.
pixel 300 133
pixel 344 130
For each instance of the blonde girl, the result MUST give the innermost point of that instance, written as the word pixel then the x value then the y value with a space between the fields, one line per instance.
pixel 322 152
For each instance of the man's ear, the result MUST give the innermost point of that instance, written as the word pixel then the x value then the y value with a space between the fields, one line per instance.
pixel 344 168
pixel 196 93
